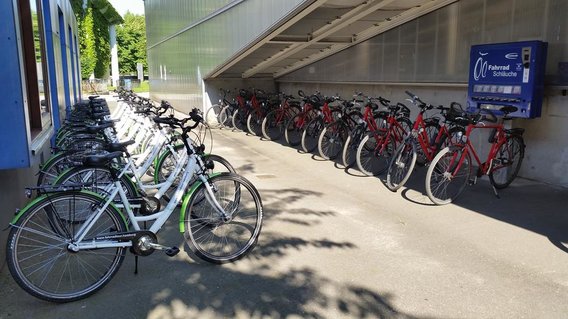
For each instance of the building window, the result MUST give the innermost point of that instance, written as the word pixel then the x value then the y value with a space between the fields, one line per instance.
pixel 33 52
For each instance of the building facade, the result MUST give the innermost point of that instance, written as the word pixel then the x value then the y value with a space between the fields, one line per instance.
pixel 40 80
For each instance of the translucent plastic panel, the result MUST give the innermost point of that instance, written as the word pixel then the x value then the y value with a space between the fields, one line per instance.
pixel 179 64
pixel 435 47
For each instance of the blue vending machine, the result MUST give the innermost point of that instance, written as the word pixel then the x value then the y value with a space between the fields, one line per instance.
pixel 507 74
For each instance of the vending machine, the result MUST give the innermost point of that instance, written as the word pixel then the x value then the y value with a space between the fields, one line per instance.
pixel 507 74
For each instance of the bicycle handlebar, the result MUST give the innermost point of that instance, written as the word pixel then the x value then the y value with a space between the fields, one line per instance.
pixel 414 97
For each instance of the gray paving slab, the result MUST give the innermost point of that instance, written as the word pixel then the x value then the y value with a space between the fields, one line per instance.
pixel 339 245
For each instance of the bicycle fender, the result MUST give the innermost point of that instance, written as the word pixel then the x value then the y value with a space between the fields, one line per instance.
pixel 50 160
pixel 42 197
pixel 185 201
pixel 25 209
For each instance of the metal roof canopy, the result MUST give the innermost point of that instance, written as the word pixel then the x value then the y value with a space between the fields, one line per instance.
pixel 322 28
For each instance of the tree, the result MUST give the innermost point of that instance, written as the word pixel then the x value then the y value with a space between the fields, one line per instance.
pixel 131 40
pixel 93 22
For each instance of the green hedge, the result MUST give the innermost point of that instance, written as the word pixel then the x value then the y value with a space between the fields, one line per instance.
pixel 93 24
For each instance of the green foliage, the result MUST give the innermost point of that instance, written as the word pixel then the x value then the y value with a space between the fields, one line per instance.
pixel 131 40
pixel 144 87
pixel 102 45
pixel 93 24
pixel 87 44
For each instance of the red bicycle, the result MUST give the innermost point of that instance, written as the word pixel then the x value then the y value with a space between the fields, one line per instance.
pixel 451 169
pixel 296 125
pixel 377 147
pixel 372 120
pixel 423 143
pixel 244 102
pixel 274 123
pixel 326 115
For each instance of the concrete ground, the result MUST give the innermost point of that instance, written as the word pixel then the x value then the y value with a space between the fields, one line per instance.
pixel 338 245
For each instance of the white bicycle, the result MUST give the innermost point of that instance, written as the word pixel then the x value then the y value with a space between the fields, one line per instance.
pixel 68 243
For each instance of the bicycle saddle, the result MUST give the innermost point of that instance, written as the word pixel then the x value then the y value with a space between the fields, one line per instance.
pixel 100 160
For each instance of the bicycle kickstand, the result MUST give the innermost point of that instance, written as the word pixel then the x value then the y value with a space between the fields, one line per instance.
pixel 495 192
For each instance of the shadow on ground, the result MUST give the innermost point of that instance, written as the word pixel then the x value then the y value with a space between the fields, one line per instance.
pixel 534 206
pixel 255 287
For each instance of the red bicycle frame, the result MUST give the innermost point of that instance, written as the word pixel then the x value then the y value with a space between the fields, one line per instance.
pixel 500 139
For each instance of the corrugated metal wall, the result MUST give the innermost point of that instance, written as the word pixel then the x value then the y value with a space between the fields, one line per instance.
pixel 178 64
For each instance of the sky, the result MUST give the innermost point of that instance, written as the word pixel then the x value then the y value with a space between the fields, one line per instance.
pixel 134 6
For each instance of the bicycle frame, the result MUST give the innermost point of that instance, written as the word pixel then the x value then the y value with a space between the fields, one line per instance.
pixel 487 166
pixel 305 115
pixel 419 132
pixel 159 218
pixel 394 130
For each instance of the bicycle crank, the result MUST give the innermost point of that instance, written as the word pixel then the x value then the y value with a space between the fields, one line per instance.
pixel 146 242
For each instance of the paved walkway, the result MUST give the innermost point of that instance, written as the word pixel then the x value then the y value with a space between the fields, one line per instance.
pixel 338 245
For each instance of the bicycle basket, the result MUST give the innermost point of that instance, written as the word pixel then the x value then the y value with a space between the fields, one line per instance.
pixel 455 112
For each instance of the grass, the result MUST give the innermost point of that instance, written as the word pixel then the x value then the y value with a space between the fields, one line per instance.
pixel 144 87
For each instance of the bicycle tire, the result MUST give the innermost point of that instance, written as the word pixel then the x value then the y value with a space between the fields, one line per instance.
pixel 271 129
pixel 373 157
pixel 331 140
pixel 440 175
pixel 348 153
pixel 402 165
pixel 293 134
pixel 212 115
pixel 310 134
pixel 37 254
pixel 508 159
pixel 226 116
pixel 254 123
pixel 207 235
pixel 239 123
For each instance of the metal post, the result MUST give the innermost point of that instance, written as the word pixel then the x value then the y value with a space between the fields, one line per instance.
pixel 113 56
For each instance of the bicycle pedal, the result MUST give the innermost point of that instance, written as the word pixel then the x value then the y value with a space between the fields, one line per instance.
pixel 172 251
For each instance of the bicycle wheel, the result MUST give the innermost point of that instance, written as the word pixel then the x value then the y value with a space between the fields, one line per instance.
pixel 240 120
pixel 507 162
pixel 401 165
pixel 212 115
pixel 374 153
pixel 272 129
pixel 168 162
pixel 254 123
pixel 311 133
pixel 447 177
pixel 349 151
pixel 225 118
pixel 294 129
pixel 38 256
pixel 214 238
pixel 331 140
